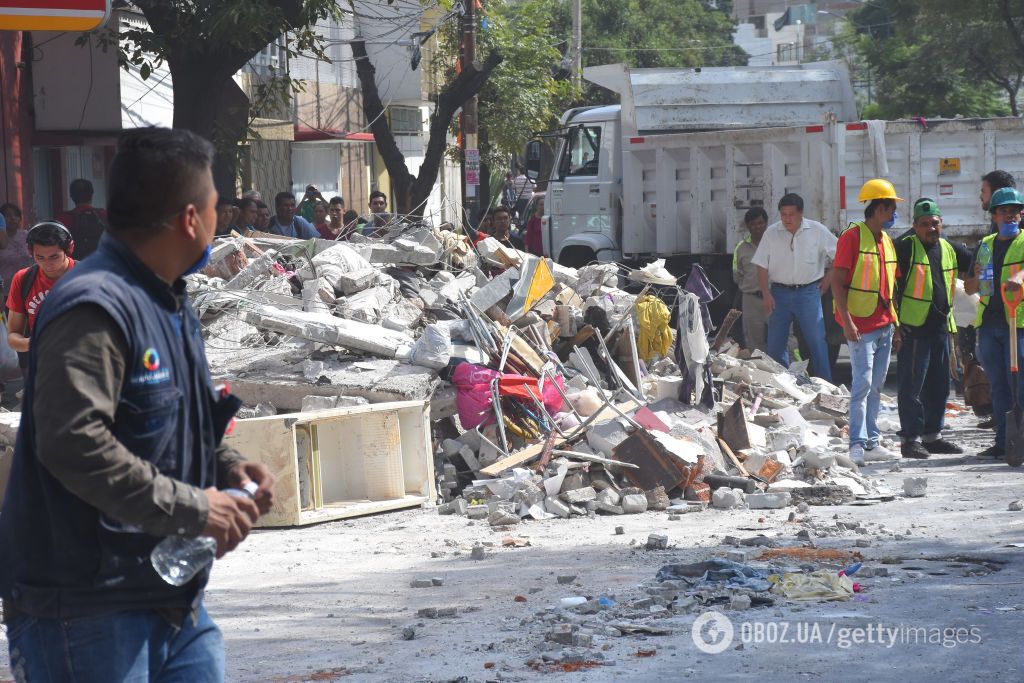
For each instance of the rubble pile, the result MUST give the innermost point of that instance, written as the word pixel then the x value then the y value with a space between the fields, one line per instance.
pixel 554 392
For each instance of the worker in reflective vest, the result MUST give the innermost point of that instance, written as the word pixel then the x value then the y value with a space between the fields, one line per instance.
pixel 744 274
pixel 863 277
pixel 1000 261
pixel 928 267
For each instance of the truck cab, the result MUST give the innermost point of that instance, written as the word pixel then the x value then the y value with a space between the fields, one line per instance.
pixel 583 210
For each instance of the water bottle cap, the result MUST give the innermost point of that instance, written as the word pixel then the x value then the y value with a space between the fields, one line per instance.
pixel 251 488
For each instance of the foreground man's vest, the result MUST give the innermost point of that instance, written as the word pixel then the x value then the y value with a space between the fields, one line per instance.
pixel 61 558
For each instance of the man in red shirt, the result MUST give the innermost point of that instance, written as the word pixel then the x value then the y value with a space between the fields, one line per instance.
pixel 85 222
pixel 864 273
pixel 50 246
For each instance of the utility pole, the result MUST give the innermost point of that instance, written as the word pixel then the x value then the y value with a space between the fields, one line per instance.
pixel 470 149
pixel 577 44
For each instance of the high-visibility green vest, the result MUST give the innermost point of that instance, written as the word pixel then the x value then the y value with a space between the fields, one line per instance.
pixel 916 301
pixel 736 251
pixel 864 292
pixel 1012 262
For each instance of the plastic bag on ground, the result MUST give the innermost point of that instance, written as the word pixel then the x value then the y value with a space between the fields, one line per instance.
pixel 820 585
pixel 433 349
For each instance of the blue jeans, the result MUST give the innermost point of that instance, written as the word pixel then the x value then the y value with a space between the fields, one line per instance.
pixel 869 364
pixel 923 375
pixel 136 646
pixel 994 353
pixel 803 306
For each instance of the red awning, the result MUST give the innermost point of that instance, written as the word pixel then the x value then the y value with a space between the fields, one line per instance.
pixel 304 134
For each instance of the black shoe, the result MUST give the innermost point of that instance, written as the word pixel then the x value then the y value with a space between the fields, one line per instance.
pixel 941 446
pixel 914 449
pixel 987 423
pixel 992 452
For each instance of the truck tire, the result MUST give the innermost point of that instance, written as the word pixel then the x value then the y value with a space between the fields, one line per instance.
pixel 576 257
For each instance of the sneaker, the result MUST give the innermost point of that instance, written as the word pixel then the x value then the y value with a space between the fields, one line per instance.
pixel 943 447
pixel 992 452
pixel 879 454
pixel 857 454
pixel 987 423
pixel 914 449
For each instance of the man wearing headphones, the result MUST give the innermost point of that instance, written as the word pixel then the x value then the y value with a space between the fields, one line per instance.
pixel 50 246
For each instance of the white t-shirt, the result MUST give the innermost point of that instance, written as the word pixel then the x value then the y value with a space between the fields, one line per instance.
pixel 798 258
pixel 523 187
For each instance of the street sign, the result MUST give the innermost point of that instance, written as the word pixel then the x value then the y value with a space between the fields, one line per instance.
pixel 53 15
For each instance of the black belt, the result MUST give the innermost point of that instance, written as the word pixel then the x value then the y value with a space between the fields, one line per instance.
pixel 779 284
pixel 757 294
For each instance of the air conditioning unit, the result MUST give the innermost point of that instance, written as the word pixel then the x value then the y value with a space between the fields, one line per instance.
pixel 275 61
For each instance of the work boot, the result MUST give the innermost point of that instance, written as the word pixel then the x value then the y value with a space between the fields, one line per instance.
pixel 942 447
pixel 914 449
pixel 992 452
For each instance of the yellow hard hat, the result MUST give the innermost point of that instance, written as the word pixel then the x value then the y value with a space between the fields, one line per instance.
pixel 877 188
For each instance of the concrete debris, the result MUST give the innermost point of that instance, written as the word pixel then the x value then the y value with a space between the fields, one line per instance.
pixel 558 417
pixel 915 487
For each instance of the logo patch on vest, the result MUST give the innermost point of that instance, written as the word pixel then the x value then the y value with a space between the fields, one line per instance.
pixel 153 373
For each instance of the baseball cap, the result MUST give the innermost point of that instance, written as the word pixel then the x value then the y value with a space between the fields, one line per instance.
pixel 926 207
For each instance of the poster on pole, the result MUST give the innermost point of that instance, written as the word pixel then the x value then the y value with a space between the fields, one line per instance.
pixel 53 15
pixel 472 167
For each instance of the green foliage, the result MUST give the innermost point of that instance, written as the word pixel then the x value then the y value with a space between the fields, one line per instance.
pixel 522 94
pixel 652 34
pixel 658 33
pixel 940 58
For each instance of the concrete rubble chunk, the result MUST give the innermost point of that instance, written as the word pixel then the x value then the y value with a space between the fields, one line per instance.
pixel 556 507
pixel 327 329
pixel 582 495
pixel 657 542
pixel 356 281
pixel 726 498
pixel 455 507
pixel 634 504
pixel 768 501
pixel 495 290
pixel 915 487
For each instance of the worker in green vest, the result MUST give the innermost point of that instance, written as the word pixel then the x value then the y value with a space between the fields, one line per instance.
pixel 744 274
pixel 928 267
pixel 1000 260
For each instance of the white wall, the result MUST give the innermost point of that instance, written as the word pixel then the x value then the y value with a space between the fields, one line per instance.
pixel 382 25
pixel 74 88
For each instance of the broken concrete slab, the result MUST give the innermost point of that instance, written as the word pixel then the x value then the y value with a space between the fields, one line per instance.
pixel 327 329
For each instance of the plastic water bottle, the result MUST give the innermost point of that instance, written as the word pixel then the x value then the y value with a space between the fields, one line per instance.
pixel 178 559
pixel 986 278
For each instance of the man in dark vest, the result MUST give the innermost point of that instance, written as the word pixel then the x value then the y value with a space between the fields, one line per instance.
pixel 120 442
pixel 928 268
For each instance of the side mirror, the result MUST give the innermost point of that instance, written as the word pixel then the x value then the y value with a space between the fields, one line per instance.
pixel 533 157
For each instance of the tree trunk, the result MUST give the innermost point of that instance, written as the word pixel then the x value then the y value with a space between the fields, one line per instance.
pixel 209 102
pixel 412 192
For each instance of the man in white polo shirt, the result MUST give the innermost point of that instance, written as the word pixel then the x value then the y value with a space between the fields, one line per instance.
pixel 792 262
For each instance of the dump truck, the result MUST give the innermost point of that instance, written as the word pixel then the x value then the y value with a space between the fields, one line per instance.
pixel 671 170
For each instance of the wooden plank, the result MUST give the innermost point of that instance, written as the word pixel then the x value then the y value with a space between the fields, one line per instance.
pixel 732 456
pixel 723 332
pixel 535 449
pixel 732 427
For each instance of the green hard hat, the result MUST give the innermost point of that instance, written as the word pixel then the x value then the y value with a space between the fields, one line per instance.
pixel 926 207
pixel 1004 196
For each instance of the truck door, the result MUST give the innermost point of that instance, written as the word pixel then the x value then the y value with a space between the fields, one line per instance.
pixel 580 197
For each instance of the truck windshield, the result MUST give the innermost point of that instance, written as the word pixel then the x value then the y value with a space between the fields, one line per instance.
pixel 582 152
